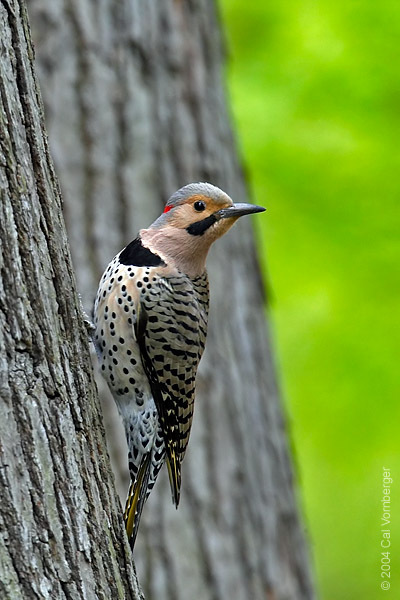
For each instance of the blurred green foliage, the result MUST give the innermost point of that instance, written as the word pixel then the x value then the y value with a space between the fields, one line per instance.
pixel 315 88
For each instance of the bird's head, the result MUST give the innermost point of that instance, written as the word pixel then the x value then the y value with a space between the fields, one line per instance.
pixel 194 217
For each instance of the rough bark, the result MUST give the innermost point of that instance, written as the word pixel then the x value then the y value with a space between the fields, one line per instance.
pixel 135 107
pixel 61 534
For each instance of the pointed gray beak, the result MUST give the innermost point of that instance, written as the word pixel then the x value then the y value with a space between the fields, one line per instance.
pixel 238 210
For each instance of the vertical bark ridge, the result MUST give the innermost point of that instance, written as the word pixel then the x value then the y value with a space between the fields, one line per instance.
pixel 200 527
pixel 84 48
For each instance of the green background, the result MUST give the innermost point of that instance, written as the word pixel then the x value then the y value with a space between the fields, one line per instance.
pixel 315 88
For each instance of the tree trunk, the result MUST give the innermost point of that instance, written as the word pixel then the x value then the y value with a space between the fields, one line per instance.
pixel 61 535
pixel 136 108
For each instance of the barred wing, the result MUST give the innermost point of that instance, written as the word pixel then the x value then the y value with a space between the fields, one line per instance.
pixel 171 331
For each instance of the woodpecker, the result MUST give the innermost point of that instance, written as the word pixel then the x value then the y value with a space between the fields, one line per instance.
pixel 150 319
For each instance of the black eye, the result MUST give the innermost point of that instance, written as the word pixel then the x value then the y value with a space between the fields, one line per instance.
pixel 199 205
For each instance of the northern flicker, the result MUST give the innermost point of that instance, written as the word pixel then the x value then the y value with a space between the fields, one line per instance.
pixel 150 330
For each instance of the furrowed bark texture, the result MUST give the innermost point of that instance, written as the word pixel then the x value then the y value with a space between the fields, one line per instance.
pixel 135 107
pixel 61 534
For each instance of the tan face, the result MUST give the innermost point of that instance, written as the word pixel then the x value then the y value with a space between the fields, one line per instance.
pixel 185 231
pixel 200 209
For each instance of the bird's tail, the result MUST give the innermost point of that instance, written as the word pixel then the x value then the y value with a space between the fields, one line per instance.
pixel 174 473
pixel 136 499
